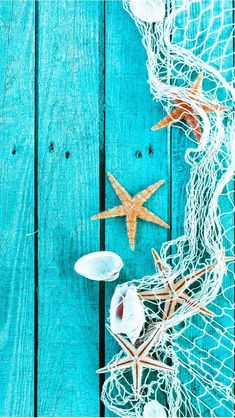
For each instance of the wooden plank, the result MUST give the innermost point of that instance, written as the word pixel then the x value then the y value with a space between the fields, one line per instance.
pixel 135 155
pixel 17 208
pixel 68 196
pixel 204 344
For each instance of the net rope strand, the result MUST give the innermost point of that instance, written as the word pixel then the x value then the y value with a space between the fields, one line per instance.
pixel 196 37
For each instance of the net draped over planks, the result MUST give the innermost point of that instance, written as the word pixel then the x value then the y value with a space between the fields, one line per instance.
pixel 192 44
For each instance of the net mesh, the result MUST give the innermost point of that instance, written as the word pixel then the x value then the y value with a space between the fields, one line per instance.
pixel 194 38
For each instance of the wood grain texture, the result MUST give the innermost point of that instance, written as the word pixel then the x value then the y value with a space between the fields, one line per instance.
pixel 81 136
pixel 135 155
pixel 17 208
pixel 68 196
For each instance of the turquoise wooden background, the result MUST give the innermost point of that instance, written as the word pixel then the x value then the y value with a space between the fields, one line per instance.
pixel 75 104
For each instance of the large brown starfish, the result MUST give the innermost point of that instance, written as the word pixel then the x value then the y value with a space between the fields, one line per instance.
pixel 187 111
pixel 174 293
pixel 137 358
pixel 132 208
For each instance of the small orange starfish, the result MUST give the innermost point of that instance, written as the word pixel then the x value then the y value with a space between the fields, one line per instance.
pixel 174 293
pixel 137 358
pixel 187 111
pixel 132 208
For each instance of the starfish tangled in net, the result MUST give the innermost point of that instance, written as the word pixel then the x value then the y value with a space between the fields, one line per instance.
pixel 137 358
pixel 186 109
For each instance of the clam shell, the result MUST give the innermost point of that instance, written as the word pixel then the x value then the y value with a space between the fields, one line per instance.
pixel 127 312
pixel 148 10
pixel 99 265
pixel 154 409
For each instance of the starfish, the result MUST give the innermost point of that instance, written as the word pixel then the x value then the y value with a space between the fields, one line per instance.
pixel 174 293
pixel 187 111
pixel 132 208
pixel 137 358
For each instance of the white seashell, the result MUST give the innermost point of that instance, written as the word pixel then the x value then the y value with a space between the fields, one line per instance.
pixel 100 265
pixel 148 10
pixel 154 409
pixel 127 312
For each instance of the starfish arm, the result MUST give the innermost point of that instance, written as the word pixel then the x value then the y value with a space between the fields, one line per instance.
pixel 197 85
pixel 131 223
pixel 146 346
pixel 186 281
pixel 155 364
pixel 121 364
pixel 228 259
pixel 145 194
pixel 193 121
pixel 154 295
pixel 158 261
pixel 137 371
pixel 191 302
pixel 169 309
pixel 146 215
pixel 173 116
pixel 120 191
pixel 126 346
pixel 111 213
pixel 213 107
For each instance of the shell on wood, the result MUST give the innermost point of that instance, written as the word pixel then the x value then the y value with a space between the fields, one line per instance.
pixel 99 265
pixel 148 10
pixel 154 409
pixel 127 312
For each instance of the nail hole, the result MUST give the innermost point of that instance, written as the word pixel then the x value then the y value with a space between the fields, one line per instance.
pixel 67 154
pixel 150 150
pixel 138 154
pixel 51 147
pixel 13 151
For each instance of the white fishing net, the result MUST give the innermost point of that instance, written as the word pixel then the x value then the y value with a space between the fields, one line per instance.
pixel 195 39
